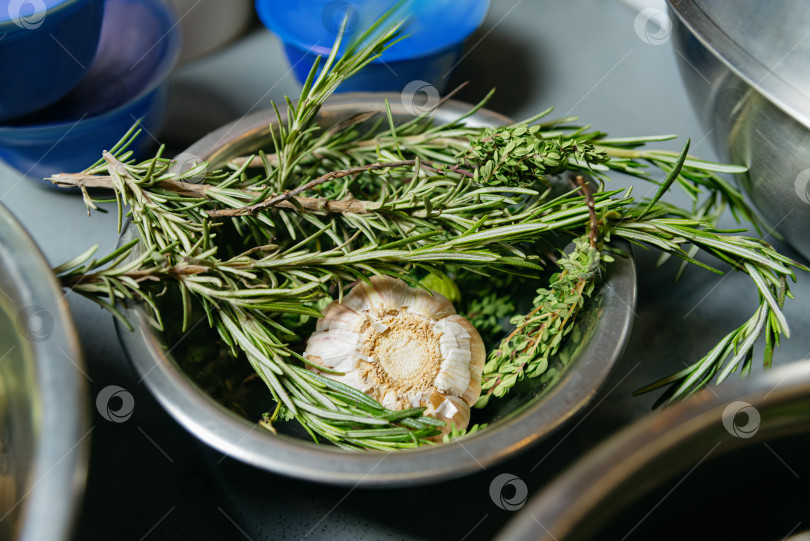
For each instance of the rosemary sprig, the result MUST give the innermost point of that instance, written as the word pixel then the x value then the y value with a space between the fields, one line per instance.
pixel 768 270
pixel 262 243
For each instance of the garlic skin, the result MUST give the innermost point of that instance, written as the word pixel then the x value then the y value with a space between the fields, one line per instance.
pixel 404 347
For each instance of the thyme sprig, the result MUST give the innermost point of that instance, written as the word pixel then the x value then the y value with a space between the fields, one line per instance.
pixel 261 243
pixel 538 335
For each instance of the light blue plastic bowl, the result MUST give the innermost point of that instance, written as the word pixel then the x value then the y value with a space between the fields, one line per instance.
pixel 139 46
pixel 45 48
pixel 437 30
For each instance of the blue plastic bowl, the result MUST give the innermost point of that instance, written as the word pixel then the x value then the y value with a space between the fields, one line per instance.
pixel 139 46
pixel 45 48
pixel 436 33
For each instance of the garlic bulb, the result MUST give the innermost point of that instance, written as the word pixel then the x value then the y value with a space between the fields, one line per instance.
pixel 404 347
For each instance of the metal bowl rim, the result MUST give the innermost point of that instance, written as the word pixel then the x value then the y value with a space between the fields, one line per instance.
pixel 236 437
pixel 57 482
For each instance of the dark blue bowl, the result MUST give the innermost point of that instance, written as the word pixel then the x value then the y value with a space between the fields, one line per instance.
pixel 127 82
pixel 45 49
pixel 436 32
pixel 433 69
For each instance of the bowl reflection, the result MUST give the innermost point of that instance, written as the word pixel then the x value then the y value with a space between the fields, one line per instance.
pixel 748 91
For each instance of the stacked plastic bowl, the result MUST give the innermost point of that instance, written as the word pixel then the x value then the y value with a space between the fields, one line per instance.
pixel 77 75
pixel 436 33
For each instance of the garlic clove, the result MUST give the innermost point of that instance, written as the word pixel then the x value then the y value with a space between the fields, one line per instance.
pixel 391 400
pixel 478 356
pixel 433 305
pixel 395 293
pixel 453 410
pixel 370 297
pixel 342 317
pixel 454 374
pixel 333 349
pixel 353 379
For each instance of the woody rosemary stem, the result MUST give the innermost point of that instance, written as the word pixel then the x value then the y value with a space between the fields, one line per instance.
pixel 261 250
pixel 289 200
pixel 80 180
pixel 332 175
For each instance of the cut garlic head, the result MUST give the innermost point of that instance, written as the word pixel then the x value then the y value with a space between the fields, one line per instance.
pixel 404 347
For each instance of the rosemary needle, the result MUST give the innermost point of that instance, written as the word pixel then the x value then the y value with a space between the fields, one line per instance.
pixel 265 242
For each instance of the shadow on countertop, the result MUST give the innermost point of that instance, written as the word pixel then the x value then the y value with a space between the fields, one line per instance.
pixel 147 479
pixel 490 57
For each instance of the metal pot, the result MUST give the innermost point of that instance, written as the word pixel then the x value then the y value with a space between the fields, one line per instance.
pixel 728 463
pixel 514 426
pixel 745 67
pixel 44 417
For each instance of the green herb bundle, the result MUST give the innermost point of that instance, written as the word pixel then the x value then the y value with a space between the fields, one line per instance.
pixel 263 243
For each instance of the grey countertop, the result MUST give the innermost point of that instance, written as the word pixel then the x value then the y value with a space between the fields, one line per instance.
pixel 150 479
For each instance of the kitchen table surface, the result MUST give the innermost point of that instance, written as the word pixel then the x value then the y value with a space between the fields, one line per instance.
pixel 149 479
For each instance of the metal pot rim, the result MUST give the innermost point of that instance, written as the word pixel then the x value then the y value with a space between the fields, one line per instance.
pixel 659 442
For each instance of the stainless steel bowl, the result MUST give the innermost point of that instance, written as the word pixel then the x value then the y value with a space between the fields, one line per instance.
pixel 729 463
pixel 745 65
pixel 516 424
pixel 44 417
